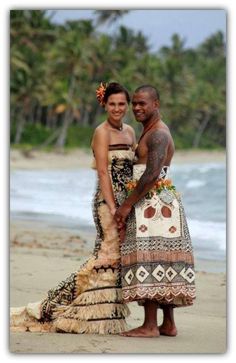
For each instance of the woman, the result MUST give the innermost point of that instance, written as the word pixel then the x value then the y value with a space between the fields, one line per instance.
pixel 89 301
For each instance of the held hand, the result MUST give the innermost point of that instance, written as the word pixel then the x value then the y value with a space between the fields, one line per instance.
pixel 121 214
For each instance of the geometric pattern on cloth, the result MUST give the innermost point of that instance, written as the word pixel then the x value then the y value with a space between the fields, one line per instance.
pixel 190 275
pixel 151 272
pixel 170 273
pixel 159 273
pixel 141 274
pixel 129 276
pixel 180 295
pixel 157 257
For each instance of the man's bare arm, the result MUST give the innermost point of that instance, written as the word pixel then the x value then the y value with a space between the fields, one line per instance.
pixel 157 144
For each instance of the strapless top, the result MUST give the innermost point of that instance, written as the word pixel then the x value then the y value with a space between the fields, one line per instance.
pixel 118 152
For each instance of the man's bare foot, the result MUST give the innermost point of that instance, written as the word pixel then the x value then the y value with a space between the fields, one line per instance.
pixel 169 331
pixel 142 332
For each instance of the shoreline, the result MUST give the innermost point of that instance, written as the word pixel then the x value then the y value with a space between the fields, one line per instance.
pixel 80 158
pixel 25 233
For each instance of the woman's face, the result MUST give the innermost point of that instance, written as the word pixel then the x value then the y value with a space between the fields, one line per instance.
pixel 116 106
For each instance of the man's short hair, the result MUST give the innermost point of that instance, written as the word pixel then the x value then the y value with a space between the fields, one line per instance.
pixel 150 89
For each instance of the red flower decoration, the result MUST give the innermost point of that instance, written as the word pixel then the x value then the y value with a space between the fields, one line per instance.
pixel 100 92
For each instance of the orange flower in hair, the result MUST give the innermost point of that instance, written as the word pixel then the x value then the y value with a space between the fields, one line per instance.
pixel 100 92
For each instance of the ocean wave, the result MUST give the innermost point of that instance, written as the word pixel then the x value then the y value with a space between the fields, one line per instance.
pixel 195 183
pixel 68 194
pixel 208 234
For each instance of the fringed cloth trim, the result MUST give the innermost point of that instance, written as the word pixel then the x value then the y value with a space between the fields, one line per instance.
pixel 93 319
pixel 98 311
pixel 104 326
pixel 99 295
pixel 100 326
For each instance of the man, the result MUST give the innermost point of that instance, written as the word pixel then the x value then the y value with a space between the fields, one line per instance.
pixel 156 253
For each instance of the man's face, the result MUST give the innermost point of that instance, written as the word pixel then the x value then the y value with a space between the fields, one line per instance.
pixel 143 106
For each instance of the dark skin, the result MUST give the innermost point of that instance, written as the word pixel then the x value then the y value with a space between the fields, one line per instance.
pixel 155 150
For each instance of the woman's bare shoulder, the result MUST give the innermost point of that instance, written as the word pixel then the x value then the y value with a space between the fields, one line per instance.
pixel 129 128
pixel 100 135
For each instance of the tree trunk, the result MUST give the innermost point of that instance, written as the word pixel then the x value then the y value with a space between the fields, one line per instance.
pixel 60 143
pixel 85 118
pixel 200 131
pixel 19 129
pixel 48 116
pixel 93 117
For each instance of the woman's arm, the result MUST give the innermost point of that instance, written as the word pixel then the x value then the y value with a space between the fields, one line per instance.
pixel 101 148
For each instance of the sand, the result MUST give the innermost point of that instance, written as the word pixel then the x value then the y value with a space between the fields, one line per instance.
pixel 41 255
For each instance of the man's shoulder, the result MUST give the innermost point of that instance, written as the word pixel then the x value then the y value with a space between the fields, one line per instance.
pixel 159 133
pixel 158 137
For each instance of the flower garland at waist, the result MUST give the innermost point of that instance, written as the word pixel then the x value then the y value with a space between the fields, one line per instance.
pixel 160 184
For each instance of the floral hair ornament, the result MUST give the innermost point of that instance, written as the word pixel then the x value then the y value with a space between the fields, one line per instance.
pixel 100 93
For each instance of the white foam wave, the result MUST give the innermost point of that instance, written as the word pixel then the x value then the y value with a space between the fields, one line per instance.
pixel 203 232
pixel 195 183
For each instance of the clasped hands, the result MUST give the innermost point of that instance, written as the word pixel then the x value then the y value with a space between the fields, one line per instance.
pixel 120 218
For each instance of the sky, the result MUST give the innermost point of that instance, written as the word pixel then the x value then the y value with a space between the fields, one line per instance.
pixel 194 26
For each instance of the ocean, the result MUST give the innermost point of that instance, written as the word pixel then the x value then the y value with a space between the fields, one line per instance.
pixel 64 198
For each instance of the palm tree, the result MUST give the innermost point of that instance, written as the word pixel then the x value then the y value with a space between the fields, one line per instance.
pixel 30 32
pixel 109 16
pixel 71 61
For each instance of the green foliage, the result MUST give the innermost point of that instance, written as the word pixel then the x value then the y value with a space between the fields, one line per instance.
pixel 33 134
pixel 79 136
pixel 55 70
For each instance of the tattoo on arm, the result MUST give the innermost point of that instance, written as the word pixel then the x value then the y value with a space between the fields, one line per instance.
pixel 157 144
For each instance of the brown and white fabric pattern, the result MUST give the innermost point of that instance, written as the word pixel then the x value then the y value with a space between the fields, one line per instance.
pixel 157 254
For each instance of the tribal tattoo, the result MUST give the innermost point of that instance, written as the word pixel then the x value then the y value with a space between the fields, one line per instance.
pixel 157 146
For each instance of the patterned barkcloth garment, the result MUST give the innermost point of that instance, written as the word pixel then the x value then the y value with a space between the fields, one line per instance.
pixel 157 255
pixel 90 299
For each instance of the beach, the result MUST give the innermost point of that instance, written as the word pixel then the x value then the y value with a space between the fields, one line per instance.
pixel 80 158
pixel 43 253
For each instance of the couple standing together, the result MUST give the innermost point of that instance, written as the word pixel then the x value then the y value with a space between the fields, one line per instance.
pixel 143 250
